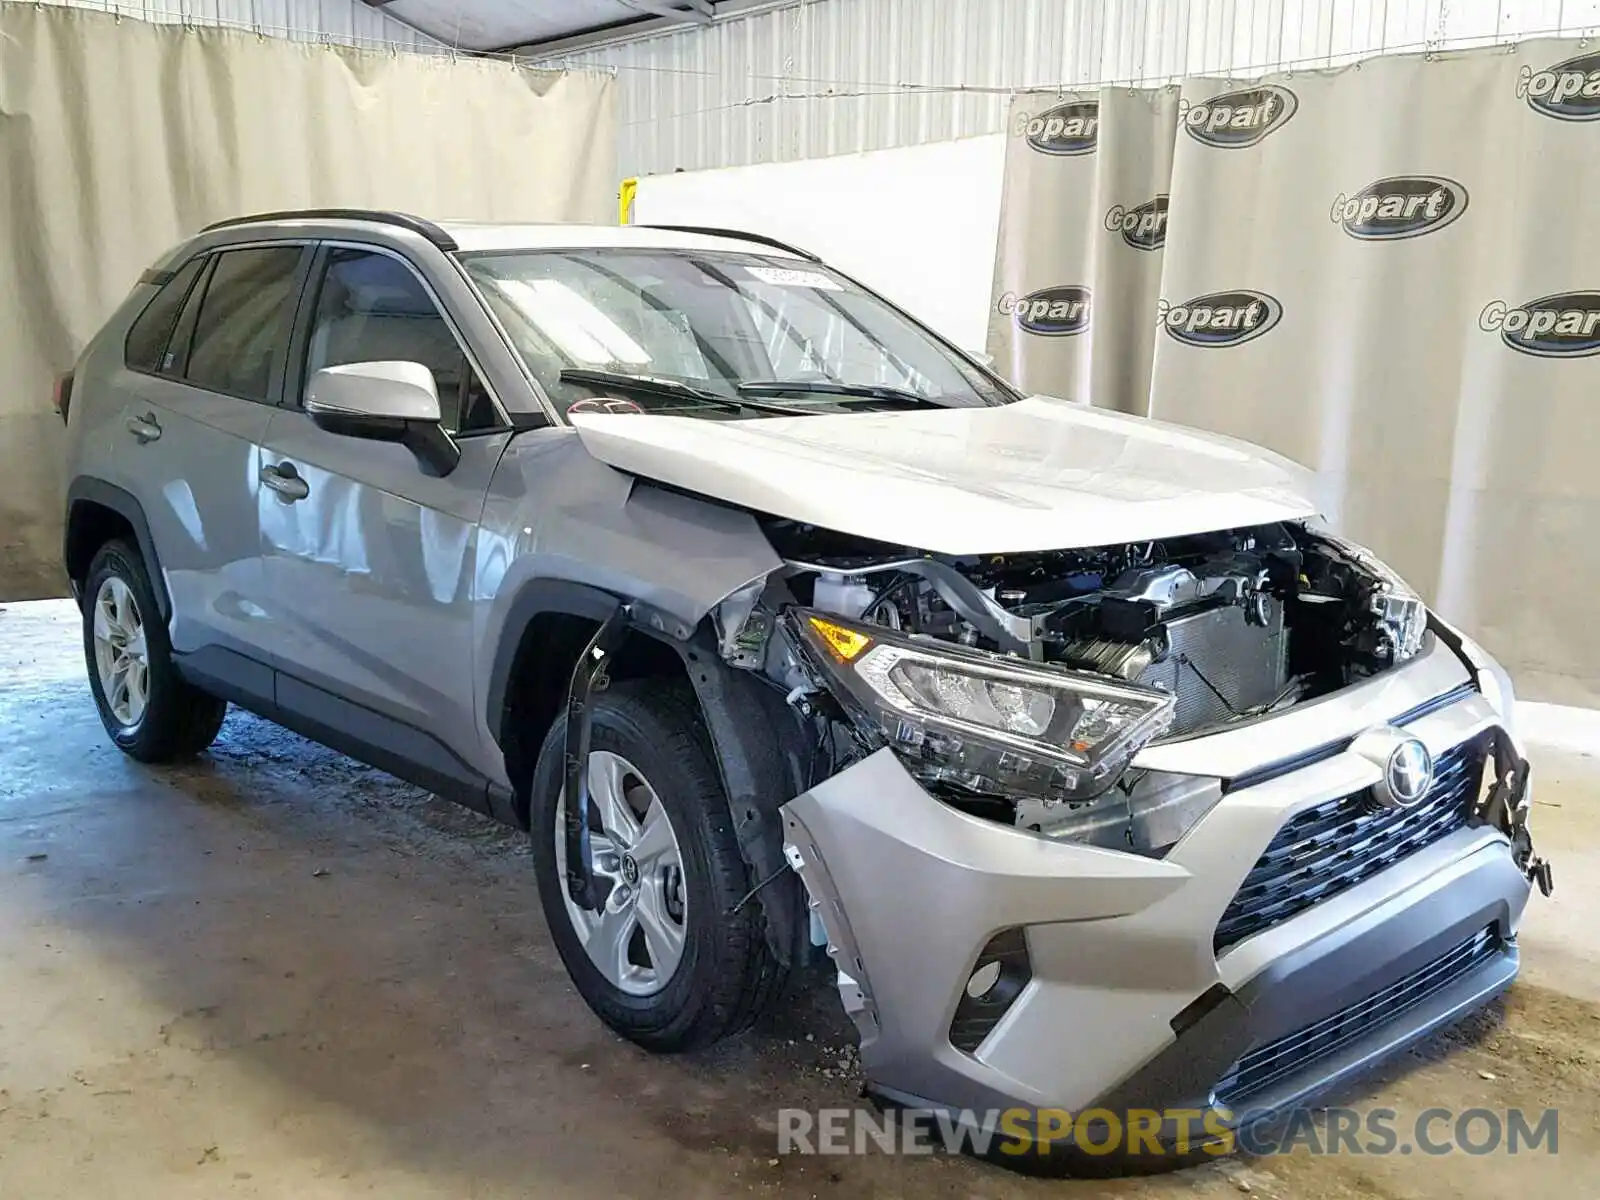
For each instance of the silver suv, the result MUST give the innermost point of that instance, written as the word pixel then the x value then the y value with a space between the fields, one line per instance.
pixel 1099 772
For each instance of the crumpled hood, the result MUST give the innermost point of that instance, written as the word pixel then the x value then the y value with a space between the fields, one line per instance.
pixel 1041 474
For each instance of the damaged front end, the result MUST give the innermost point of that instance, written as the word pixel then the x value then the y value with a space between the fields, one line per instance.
pixel 1020 688
pixel 1013 806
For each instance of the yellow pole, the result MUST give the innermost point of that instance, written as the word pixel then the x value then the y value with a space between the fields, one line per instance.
pixel 630 188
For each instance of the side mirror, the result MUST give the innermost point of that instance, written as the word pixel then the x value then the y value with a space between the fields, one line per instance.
pixel 384 402
pixel 982 359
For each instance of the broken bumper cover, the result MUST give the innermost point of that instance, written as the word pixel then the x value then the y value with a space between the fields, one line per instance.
pixel 1122 1000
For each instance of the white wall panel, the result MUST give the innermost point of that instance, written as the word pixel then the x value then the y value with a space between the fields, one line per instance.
pixel 348 22
pixel 820 77
pixel 917 223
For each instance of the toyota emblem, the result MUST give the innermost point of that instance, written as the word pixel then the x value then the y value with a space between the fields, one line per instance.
pixel 1409 773
pixel 1406 766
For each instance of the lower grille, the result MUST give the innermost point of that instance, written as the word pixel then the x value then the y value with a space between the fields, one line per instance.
pixel 1335 845
pixel 1282 1057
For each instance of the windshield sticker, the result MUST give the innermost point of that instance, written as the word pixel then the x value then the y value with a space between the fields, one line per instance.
pixel 603 404
pixel 788 277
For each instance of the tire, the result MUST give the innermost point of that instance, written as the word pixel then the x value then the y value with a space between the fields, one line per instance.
pixel 726 974
pixel 175 721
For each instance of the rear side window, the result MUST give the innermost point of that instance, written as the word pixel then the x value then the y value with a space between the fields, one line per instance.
pixel 243 321
pixel 148 335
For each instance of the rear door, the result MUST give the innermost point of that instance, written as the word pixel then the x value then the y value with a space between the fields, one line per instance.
pixel 371 560
pixel 204 368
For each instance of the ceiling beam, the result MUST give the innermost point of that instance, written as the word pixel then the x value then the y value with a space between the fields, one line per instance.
pixel 647 27
pixel 698 11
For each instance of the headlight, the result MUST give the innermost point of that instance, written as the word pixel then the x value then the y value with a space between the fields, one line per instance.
pixel 985 723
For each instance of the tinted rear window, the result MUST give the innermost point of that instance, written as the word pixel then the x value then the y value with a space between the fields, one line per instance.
pixel 148 336
pixel 244 320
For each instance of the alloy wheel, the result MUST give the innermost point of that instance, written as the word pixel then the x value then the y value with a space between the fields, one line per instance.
pixel 121 657
pixel 636 938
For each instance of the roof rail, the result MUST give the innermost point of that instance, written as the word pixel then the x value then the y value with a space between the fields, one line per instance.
pixel 759 239
pixel 416 225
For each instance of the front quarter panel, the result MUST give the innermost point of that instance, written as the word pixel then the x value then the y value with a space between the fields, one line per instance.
pixel 555 513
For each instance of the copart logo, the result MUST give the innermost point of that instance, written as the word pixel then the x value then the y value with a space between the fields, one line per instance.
pixel 1220 318
pixel 1568 91
pixel 1049 312
pixel 1070 128
pixel 1565 325
pixel 1399 207
pixel 1241 118
pixel 1143 227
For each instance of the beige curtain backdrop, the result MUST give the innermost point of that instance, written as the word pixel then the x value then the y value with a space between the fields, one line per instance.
pixel 1085 220
pixel 1390 273
pixel 119 138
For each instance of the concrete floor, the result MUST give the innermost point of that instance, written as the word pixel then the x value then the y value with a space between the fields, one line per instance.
pixel 275 972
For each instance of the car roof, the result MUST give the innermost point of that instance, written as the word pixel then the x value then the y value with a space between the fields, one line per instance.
pixel 479 237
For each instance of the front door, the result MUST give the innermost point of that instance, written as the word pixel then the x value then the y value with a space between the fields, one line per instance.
pixel 369 559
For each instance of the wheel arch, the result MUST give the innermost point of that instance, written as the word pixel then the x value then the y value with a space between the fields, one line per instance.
pixel 759 745
pixel 546 628
pixel 98 511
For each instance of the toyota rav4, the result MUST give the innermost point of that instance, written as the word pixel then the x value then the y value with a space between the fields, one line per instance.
pixel 1095 768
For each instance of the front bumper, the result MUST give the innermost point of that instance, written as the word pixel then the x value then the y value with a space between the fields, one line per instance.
pixel 1127 1004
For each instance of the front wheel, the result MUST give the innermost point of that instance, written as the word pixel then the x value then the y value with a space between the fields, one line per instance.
pixel 666 960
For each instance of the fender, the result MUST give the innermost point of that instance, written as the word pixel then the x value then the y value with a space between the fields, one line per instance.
pixel 86 489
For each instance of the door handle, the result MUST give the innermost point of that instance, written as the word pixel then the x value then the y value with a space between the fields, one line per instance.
pixel 144 428
pixel 286 481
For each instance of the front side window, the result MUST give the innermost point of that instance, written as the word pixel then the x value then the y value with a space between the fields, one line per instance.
pixel 242 321
pixel 372 308
pixel 716 334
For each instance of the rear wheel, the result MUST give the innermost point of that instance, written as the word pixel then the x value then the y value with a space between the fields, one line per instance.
pixel 149 710
pixel 665 961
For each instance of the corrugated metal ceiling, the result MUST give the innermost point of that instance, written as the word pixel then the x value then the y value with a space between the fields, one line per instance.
pixel 820 77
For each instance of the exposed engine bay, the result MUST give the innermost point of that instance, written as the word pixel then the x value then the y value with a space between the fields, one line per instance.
pixel 1021 686
pixel 1207 619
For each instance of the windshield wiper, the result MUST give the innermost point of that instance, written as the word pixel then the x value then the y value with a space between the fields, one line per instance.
pixel 827 387
pixel 655 385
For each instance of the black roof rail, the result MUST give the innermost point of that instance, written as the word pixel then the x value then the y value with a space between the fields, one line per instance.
pixel 417 225
pixel 759 239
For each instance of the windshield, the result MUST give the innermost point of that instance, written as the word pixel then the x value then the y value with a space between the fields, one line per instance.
pixel 716 334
